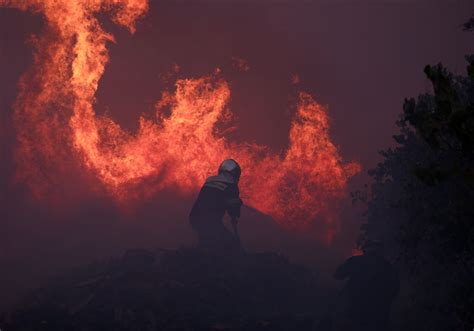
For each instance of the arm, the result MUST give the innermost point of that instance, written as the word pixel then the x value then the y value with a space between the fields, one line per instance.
pixel 233 203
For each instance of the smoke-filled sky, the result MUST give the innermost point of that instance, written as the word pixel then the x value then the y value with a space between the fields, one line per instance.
pixel 361 58
pixel 358 58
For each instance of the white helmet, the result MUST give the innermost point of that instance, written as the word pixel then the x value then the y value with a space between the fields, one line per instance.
pixel 230 167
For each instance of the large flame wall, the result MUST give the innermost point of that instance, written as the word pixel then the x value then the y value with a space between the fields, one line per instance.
pixel 59 132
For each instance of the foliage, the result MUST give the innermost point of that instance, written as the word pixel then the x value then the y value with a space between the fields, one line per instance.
pixel 421 201
pixel 469 25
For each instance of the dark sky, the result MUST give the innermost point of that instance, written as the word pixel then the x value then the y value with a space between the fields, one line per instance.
pixel 360 58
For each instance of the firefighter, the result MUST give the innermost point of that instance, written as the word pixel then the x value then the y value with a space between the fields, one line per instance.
pixel 219 195
pixel 372 285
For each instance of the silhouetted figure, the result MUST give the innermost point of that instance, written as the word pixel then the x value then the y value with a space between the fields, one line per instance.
pixel 219 194
pixel 372 285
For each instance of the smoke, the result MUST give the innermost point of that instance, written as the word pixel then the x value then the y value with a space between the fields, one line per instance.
pixel 82 186
pixel 63 143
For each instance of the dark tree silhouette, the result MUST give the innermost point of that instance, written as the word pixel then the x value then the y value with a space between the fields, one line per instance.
pixel 469 25
pixel 421 202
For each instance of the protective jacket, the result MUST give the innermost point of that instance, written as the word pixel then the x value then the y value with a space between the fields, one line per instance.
pixel 219 195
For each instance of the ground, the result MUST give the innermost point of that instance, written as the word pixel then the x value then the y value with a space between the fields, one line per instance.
pixel 185 289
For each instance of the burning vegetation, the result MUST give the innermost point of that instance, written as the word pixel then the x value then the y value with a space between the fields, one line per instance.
pixel 59 133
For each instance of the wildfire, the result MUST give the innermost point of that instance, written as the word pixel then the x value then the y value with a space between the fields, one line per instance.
pixel 58 130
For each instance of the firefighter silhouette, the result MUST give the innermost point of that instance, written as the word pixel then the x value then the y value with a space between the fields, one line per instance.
pixel 372 285
pixel 219 195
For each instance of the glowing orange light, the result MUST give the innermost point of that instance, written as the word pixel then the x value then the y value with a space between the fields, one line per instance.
pixel 57 127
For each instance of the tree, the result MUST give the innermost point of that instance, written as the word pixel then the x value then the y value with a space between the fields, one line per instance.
pixel 421 201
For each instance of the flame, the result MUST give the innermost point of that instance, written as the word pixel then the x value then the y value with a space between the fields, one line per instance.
pixel 59 132
pixel 357 252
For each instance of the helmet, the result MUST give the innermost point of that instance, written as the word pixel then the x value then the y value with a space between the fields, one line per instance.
pixel 230 167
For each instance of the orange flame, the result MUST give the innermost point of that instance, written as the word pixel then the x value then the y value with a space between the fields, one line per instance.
pixel 178 150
